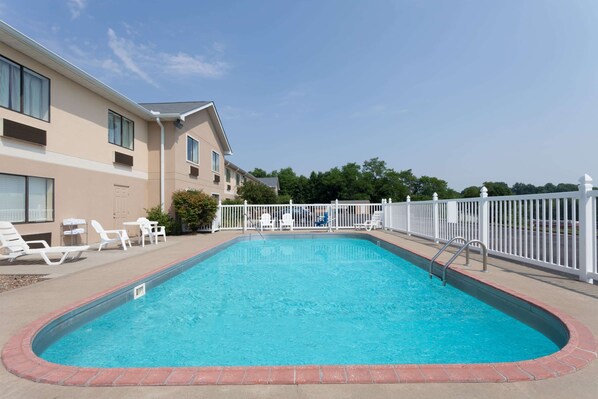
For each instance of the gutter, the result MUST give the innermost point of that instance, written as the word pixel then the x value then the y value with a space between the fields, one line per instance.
pixel 161 164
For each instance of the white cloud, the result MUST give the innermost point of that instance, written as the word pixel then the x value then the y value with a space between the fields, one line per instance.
pixel 145 61
pixel 185 64
pixel 76 7
pixel 125 50
pixel 229 112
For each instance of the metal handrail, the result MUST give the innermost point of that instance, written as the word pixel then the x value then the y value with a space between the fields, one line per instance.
pixel 466 246
pixel 463 247
pixel 254 225
pixel 444 248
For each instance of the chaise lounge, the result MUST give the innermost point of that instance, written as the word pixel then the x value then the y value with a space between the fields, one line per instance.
pixel 12 245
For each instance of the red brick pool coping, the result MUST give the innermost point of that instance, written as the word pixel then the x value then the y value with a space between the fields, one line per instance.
pixel 19 359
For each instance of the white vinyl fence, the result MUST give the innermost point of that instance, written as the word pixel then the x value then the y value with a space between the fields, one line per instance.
pixel 557 231
pixel 305 216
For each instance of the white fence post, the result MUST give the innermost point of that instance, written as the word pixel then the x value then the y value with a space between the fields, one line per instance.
pixel 244 216
pixel 586 233
pixel 383 206
pixel 436 219
pixel 388 225
pixel 484 217
pixel 216 223
pixel 408 215
pixel 336 214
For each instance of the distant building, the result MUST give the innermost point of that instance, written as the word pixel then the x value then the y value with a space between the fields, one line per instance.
pixel 234 178
pixel 271 182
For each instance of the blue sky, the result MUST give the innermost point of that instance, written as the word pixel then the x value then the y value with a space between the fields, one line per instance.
pixel 466 91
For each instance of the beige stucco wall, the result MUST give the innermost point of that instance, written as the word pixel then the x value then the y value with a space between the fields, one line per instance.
pixel 176 167
pixel 78 119
pixel 79 193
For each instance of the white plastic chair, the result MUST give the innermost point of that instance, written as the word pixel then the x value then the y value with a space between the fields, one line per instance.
pixel 151 229
pixel 374 223
pixel 121 236
pixel 287 221
pixel 266 221
pixel 12 245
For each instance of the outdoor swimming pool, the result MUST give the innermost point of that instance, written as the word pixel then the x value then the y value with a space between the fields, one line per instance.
pixel 299 301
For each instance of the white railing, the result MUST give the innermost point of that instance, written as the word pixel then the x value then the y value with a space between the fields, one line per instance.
pixel 334 216
pixel 558 231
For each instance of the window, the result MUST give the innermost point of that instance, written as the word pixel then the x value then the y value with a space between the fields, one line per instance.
pixel 25 199
pixel 238 179
pixel 121 131
pixel 227 175
pixel 192 150
pixel 215 162
pixel 23 90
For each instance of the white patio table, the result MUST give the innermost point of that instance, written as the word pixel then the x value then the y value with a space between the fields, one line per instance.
pixel 138 224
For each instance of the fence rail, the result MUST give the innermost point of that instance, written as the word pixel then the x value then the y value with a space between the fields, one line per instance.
pixel 305 216
pixel 558 231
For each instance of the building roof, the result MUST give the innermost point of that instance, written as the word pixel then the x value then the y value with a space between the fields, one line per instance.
pixel 236 168
pixel 181 110
pixel 182 107
pixel 270 182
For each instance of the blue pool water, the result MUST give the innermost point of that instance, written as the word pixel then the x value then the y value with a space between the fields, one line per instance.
pixel 300 301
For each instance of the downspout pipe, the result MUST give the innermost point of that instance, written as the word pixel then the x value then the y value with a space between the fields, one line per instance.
pixel 161 164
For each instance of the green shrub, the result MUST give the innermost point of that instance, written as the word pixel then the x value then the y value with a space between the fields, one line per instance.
pixel 164 219
pixel 194 208
pixel 236 201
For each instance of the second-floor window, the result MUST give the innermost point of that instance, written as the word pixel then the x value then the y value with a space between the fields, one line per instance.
pixel 192 150
pixel 215 162
pixel 227 175
pixel 121 131
pixel 237 179
pixel 23 90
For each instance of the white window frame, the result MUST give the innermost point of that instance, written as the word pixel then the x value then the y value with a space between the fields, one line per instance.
pixel 187 149
pixel 27 210
pixel 217 153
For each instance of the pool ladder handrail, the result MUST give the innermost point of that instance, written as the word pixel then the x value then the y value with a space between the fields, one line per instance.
pixel 254 225
pixel 465 246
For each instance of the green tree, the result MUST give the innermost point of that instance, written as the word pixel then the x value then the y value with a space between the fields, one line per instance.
pixel 471 192
pixel 256 193
pixel 427 186
pixel 497 189
pixel 257 172
pixel 523 189
pixel 195 208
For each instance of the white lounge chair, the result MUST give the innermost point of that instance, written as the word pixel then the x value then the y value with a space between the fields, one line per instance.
pixel 374 223
pixel 121 236
pixel 266 221
pixel 12 245
pixel 287 221
pixel 151 229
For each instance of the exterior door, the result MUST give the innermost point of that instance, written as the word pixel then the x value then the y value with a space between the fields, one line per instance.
pixel 120 212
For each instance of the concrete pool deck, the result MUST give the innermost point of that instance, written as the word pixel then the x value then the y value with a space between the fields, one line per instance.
pixel 101 271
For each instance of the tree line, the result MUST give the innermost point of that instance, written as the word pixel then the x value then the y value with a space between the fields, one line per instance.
pixel 374 180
